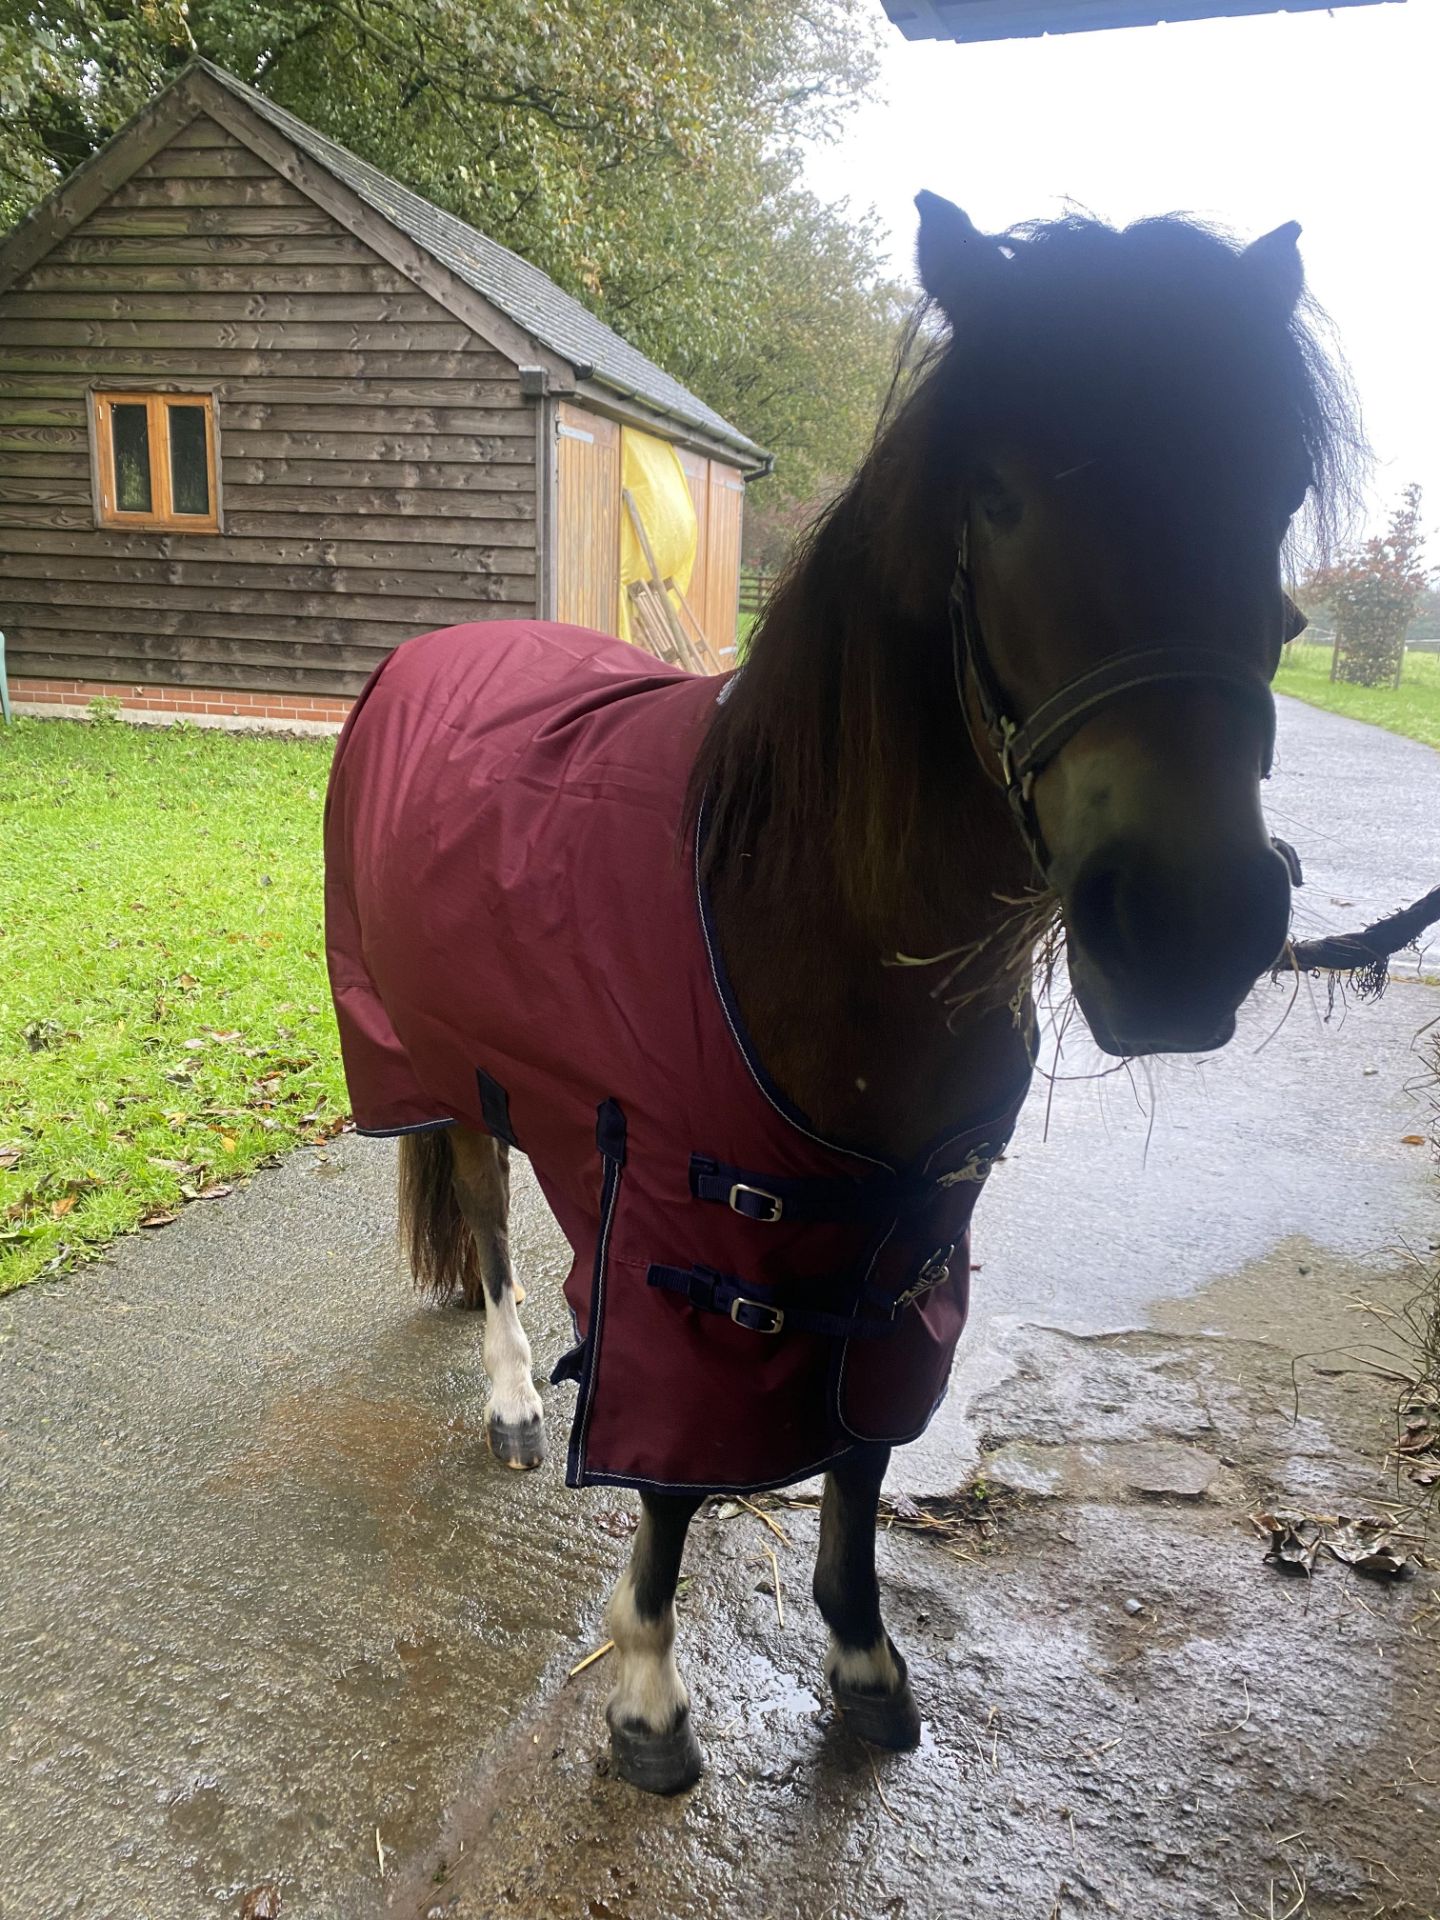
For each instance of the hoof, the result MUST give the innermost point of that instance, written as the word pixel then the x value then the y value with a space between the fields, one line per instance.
pixel 657 1762
pixel 520 1444
pixel 884 1719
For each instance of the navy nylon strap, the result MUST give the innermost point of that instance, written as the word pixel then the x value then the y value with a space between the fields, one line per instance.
pixel 770 1198
pixel 1058 719
pixel 719 1293
pixel 495 1107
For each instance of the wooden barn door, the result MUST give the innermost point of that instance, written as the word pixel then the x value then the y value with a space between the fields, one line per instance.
pixel 697 475
pixel 722 558
pixel 587 519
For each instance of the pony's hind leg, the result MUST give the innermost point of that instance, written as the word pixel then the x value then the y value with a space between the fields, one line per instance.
pixel 866 1673
pixel 514 1423
pixel 651 1739
pixel 454 1212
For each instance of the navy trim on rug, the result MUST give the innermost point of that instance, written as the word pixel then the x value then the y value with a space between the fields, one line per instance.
pixel 610 1133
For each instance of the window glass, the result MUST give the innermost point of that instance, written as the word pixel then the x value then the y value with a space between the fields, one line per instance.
pixel 189 467
pixel 131 441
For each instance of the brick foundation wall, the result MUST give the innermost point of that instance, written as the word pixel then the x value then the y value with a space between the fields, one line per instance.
pixel 280 709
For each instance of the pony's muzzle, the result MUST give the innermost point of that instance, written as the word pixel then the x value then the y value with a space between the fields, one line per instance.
pixel 1162 953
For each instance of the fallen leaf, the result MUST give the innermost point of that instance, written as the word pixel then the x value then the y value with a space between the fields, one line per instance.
pixel 1366 1545
pixel 217 1190
pixel 1294 1540
pixel 158 1217
pixel 62 1207
pixel 187 980
pixel 1412 1139
pixel 261 1903
pixel 9 1157
pixel 229 1142
pixel 1360 1542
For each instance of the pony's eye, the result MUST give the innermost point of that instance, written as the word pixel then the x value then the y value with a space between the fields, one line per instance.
pixel 995 501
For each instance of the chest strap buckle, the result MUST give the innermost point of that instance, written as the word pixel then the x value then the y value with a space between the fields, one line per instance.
pixel 756 1315
pixel 754 1203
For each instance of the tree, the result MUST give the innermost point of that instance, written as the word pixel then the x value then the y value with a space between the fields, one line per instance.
pixel 645 153
pixel 1372 594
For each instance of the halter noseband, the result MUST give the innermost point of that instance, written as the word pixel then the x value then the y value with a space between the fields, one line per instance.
pixel 1024 748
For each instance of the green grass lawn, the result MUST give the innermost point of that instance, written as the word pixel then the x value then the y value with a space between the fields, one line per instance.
pixel 1412 708
pixel 165 1022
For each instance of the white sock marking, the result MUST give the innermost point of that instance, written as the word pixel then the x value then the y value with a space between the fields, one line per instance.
pixel 648 1687
pixel 513 1399
pixel 870 1668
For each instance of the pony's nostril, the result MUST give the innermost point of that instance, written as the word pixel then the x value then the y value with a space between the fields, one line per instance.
pixel 1165 928
pixel 1093 912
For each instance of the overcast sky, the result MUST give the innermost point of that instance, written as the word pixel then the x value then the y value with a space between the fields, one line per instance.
pixel 1329 119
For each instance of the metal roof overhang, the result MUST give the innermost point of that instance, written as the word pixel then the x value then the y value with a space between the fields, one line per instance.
pixel 1024 19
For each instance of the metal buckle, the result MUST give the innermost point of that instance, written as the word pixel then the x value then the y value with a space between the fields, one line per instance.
pixel 773 1199
pixel 774 1321
pixel 937 1266
pixel 1008 733
pixel 934 1273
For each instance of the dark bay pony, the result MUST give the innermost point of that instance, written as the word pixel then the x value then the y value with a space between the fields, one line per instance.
pixel 1021 666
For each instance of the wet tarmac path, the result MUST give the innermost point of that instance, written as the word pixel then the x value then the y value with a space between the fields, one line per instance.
pixel 270 1617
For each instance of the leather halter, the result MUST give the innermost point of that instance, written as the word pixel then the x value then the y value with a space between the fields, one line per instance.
pixel 1025 748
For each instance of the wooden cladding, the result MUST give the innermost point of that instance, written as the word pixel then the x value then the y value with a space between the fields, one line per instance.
pixel 587 519
pixel 714 594
pixel 726 510
pixel 375 460
pixel 155 461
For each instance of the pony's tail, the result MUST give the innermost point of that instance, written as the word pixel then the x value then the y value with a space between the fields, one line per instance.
pixel 441 1248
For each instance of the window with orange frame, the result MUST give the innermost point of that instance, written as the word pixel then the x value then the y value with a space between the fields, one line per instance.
pixel 155 462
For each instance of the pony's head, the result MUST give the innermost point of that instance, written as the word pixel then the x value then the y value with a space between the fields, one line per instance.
pixel 1071 524
pixel 1123 425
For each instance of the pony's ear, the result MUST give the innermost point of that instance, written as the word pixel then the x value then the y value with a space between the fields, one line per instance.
pixel 1274 260
pixel 955 259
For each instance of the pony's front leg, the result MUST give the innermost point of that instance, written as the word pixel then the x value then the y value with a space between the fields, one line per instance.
pixel 867 1675
pixel 651 1739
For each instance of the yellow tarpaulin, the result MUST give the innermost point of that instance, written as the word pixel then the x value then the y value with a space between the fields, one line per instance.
pixel 651 471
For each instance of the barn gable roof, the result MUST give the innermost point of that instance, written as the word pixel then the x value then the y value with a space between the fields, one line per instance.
pixel 595 355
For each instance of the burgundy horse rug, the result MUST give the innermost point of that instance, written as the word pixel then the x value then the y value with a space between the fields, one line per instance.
pixel 519 941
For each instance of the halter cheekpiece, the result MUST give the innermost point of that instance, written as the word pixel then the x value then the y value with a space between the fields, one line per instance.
pixel 1025 748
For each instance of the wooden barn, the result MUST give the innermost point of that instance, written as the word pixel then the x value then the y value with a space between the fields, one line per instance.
pixel 265 413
